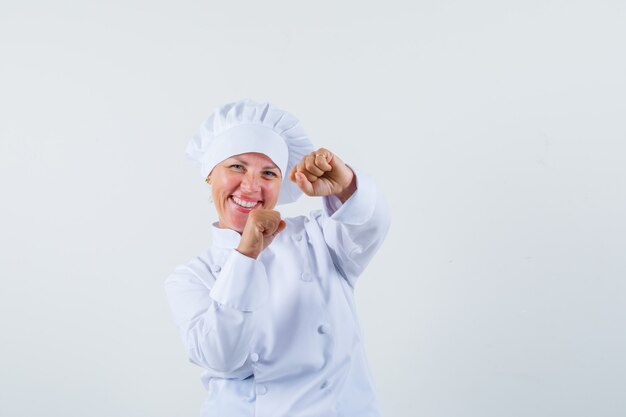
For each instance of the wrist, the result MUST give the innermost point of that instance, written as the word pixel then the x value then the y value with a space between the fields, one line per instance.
pixel 347 192
pixel 250 253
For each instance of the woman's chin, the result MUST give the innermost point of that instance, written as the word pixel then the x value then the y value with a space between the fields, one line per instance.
pixel 236 222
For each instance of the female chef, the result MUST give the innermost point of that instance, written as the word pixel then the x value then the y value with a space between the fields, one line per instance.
pixel 268 311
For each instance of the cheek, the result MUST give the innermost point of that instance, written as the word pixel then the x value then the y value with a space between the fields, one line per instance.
pixel 272 193
pixel 226 185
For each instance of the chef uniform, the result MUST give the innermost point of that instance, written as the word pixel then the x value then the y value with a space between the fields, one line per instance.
pixel 278 336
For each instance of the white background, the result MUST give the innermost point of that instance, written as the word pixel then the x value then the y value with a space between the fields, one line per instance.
pixel 496 130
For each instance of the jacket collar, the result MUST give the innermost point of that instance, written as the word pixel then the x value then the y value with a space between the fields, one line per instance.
pixel 225 238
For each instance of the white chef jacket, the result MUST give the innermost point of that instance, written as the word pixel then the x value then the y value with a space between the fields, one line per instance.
pixel 279 336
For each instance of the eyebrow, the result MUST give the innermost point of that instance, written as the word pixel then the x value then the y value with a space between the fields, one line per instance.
pixel 242 162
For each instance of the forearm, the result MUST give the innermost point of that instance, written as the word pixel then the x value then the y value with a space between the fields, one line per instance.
pixel 216 324
pixel 355 229
pixel 219 339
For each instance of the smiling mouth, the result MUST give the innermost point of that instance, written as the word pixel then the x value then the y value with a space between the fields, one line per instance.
pixel 244 204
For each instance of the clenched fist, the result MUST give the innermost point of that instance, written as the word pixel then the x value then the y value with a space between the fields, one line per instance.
pixel 261 228
pixel 322 173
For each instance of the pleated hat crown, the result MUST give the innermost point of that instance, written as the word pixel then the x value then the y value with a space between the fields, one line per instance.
pixel 247 126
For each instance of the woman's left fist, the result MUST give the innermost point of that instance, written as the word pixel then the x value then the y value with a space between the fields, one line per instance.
pixel 323 173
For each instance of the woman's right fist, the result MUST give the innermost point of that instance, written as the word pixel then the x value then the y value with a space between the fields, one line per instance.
pixel 261 228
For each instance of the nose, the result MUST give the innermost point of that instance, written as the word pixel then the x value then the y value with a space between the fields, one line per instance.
pixel 250 184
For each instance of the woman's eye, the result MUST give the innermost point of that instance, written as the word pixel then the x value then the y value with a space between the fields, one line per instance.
pixel 236 166
pixel 270 174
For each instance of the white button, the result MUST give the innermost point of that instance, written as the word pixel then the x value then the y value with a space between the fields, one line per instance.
pixel 324 385
pixel 306 276
pixel 261 389
pixel 217 268
pixel 254 357
pixel 297 238
pixel 323 329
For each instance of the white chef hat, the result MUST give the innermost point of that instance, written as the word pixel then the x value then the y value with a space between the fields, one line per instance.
pixel 246 126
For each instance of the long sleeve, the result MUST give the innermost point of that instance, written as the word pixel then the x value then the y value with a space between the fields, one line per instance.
pixel 214 311
pixel 354 231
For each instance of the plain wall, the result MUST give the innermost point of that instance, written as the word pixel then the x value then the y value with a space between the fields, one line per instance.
pixel 495 129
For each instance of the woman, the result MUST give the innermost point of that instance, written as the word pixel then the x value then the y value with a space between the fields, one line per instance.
pixel 268 311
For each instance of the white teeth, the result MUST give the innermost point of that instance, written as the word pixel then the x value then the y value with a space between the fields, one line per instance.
pixel 243 203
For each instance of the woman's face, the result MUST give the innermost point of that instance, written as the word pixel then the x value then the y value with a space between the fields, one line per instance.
pixel 241 184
